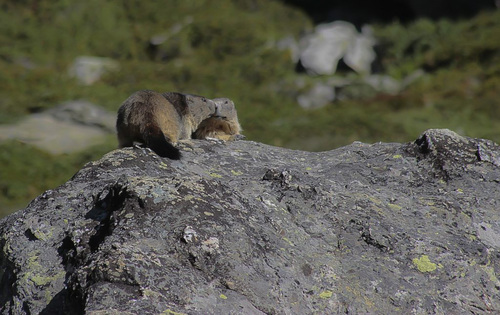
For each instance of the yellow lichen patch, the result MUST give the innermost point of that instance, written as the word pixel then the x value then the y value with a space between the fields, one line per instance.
pixel 222 296
pixel 33 260
pixel 288 241
pixel 41 235
pixel 213 174
pixel 424 264
pixel 397 156
pixel 42 280
pixel 490 271
pixel 236 173
pixel 376 201
pixel 149 293
pixel 326 294
pixel 394 206
pixel 163 165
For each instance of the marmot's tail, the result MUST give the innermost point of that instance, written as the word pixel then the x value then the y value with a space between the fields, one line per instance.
pixel 155 140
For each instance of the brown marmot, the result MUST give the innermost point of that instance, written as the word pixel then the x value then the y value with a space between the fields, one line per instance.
pixel 161 120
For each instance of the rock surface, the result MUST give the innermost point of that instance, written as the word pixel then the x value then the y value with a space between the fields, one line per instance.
pixel 247 228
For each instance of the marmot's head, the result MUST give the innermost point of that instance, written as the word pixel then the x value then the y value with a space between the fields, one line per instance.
pixel 200 106
pixel 225 108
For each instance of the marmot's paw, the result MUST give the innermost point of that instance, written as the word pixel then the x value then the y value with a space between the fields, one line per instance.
pixel 239 137
pixel 214 140
pixel 142 148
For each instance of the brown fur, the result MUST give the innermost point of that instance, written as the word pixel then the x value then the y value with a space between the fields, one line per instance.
pixel 224 125
pixel 161 120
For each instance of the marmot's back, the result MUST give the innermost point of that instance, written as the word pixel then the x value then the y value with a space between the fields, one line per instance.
pixel 148 117
pixel 192 109
pixel 161 120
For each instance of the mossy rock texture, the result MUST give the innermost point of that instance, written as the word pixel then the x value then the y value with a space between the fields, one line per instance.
pixel 247 228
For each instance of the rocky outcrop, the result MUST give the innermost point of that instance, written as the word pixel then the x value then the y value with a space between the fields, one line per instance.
pixel 246 228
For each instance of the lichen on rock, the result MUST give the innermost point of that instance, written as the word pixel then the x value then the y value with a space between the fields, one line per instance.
pixel 367 228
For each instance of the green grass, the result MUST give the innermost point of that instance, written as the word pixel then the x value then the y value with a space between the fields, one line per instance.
pixel 226 50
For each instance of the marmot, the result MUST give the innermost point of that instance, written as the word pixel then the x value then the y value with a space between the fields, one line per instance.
pixel 161 120
pixel 222 125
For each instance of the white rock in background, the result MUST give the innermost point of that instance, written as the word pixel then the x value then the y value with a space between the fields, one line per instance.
pixel 70 127
pixel 384 83
pixel 320 95
pixel 85 113
pixel 322 50
pixel 89 69
pixel 360 54
pixel 387 84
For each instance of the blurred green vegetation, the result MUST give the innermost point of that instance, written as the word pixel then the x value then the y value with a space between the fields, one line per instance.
pixel 227 48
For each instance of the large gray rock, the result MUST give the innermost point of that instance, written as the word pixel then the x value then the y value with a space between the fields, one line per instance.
pixel 247 228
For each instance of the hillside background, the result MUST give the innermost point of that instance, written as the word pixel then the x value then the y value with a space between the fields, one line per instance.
pixel 231 49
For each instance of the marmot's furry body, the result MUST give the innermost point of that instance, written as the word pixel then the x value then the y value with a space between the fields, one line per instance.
pixel 161 120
